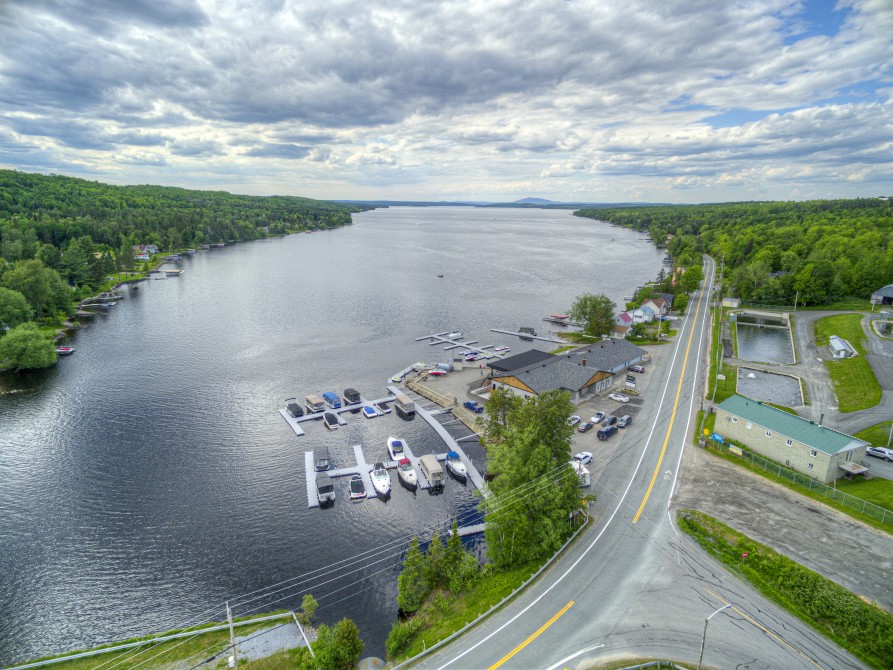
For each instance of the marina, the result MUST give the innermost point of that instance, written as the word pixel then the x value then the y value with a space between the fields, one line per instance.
pixel 529 336
pixel 449 343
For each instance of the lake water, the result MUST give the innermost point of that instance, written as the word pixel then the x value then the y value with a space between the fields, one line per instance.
pixel 148 477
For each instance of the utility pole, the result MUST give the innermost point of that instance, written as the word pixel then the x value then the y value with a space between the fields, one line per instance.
pixel 890 439
pixel 796 300
pixel 704 637
pixel 232 637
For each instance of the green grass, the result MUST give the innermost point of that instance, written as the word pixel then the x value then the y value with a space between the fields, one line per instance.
pixel 863 629
pixel 853 379
pixel 859 304
pixel 561 350
pixel 876 435
pixel 877 490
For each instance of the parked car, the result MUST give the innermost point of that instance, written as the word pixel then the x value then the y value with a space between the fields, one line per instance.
pixel 584 457
pixel 473 406
pixel 585 426
pixel 636 368
pixel 597 418
pixel 624 421
pixel 573 420
pixel 610 421
pixel 605 432
pixel 619 397
pixel 880 452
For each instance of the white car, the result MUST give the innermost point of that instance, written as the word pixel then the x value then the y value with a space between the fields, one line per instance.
pixel 597 418
pixel 573 420
pixel 880 452
pixel 619 397
pixel 585 457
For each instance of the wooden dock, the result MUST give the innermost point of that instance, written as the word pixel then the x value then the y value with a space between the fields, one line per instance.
pixel 529 336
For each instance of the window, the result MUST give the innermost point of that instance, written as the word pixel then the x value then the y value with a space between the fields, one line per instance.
pixel 768 433
pixel 748 425
pixel 810 466
pixel 813 453
pixel 734 419
pixel 789 442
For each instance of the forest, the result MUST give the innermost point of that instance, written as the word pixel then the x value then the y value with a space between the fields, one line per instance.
pixel 62 238
pixel 815 252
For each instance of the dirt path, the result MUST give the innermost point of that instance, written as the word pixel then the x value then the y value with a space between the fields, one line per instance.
pixel 836 546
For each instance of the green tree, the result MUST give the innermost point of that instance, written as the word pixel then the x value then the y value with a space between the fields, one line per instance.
pixel 25 347
pixel 692 278
pixel 460 567
pixel 434 563
pixel 412 586
pixel 597 311
pixel 42 287
pixel 338 648
pixel 309 606
pixel 531 455
pixel 14 309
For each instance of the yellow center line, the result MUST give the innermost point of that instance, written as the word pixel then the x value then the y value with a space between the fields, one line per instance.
pixel 763 628
pixel 532 637
pixel 663 450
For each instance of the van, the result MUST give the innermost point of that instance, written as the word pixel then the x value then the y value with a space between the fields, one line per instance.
pixel 432 470
pixel 606 432
pixel 314 404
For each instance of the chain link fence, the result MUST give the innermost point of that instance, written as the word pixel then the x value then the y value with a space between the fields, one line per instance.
pixel 847 500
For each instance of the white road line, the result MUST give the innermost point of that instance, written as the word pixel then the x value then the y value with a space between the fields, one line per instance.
pixel 573 656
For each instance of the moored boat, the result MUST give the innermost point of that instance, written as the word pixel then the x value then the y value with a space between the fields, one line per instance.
pixel 407 474
pixel 357 488
pixel 330 420
pixel 64 351
pixel 396 448
pixel 322 461
pixel 381 480
pixel 456 466
pixel 369 412
pixel 325 489
pixel 383 408
pixel 332 399
pixel 502 349
pixel 455 335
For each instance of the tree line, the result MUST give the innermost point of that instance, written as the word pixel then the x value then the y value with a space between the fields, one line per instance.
pixel 61 238
pixel 816 252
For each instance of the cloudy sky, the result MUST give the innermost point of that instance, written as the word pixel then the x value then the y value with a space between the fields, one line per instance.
pixel 600 101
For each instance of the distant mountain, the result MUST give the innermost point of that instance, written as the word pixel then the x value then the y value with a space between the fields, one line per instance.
pixel 532 203
pixel 535 201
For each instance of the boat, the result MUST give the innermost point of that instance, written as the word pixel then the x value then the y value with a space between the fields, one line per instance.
pixel 382 407
pixel 404 405
pixel 381 480
pixel 173 273
pixel 456 466
pixel 64 351
pixel 440 276
pixel 294 408
pixel 322 461
pixel 330 420
pixel 332 399
pixel 396 448
pixel 502 349
pixel 436 373
pixel 314 404
pixel 407 474
pixel 357 488
pixel 325 489
pixel 369 412
pixel 455 335
pixel 433 472
pixel 352 397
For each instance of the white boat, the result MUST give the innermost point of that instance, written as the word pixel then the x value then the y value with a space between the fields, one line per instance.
pixel 357 488
pixel 369 412
pixel 330 420
pixel 396 448
pixel 407 474
pixel 383 408
pixel 502 349
pixel 456 466
pixel 381 480
pixel 455 335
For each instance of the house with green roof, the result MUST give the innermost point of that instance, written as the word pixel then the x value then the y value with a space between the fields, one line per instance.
pixel 802 445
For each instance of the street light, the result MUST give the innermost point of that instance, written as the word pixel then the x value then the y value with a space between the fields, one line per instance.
pixel 704 637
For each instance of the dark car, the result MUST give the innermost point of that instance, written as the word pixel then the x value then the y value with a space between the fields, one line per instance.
pixel 609 421
pixel 473 406
pixel 606 432
pixel 625 420
pixel 585 426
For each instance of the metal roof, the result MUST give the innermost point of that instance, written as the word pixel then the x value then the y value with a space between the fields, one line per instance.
pixel 802 430
pixel 885 291
pixel 560 374
pixel 518 361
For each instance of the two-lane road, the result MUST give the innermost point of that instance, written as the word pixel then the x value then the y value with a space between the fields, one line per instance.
pixel 632 585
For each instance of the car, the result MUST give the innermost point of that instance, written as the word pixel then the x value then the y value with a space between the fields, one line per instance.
pixel 597 418
pixel 586 426
pixel 573 420
pixel 880 452
pixel 605 432
pixel 619 397
pixel 473 406
pixel 624 421
pixel 585 457
pixel 636 368
pixel 610 421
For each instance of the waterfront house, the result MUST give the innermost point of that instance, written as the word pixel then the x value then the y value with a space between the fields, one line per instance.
pixel 624 319
pixel 619 332
pixel 667 298
pixel 141 257
pixel 797 443
pixel 656 305
pixel 643 315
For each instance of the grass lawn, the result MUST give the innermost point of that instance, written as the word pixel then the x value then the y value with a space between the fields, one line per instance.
pixel 853 379
pixel 726 387
pixel 877 490
pixel 876 435
pixel 860 627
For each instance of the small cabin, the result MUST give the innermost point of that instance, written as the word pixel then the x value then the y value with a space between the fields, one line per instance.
pixel 325 488
pixel 840 348
pixel 351 396
pixel 404 405
pixel 294 408
pixel 433 470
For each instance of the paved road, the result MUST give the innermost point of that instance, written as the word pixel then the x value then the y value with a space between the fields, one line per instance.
pixel 632 585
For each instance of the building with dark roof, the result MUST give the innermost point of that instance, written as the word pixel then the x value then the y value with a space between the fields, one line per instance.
pixel 582 372
pixel 883 296
pixel 519 361
pixel 802 445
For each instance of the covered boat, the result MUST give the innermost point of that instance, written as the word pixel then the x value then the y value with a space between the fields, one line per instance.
pixel 325 489
pixel 381 480
pixel 351 397
pixel 357 488
pixel 456 466
pixel 322 461
pixel 396 447
pixel 407 474
pixel 294 407
pixel 330 420
pixel 369 412
pixel 432 470
pixel 383 408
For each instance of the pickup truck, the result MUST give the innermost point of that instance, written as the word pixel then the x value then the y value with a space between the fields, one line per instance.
pixel 473 406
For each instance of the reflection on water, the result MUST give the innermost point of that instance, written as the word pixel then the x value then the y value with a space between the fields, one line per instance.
pixel 769 387
pixel 764 344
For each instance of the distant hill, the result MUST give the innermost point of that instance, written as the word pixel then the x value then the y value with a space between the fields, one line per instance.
pixel 534 201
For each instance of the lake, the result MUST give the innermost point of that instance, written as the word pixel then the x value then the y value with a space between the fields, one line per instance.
pixel 149 477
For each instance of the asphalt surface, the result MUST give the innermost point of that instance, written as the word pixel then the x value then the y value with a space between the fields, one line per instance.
pixel 633 586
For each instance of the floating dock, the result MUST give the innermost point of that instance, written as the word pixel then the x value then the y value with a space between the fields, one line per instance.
pixel 295 422
pixel 310 473
pixel 529 336
pixel 449 344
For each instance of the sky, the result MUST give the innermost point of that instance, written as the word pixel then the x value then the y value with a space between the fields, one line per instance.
pixel 603 101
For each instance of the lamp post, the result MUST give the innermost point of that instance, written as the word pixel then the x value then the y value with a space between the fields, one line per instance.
pixel 704 637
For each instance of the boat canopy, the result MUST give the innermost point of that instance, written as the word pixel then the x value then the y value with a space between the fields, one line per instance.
pixel 452 454
pixel 404 461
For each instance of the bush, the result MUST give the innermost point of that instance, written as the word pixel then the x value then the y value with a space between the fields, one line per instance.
pixel 401 635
